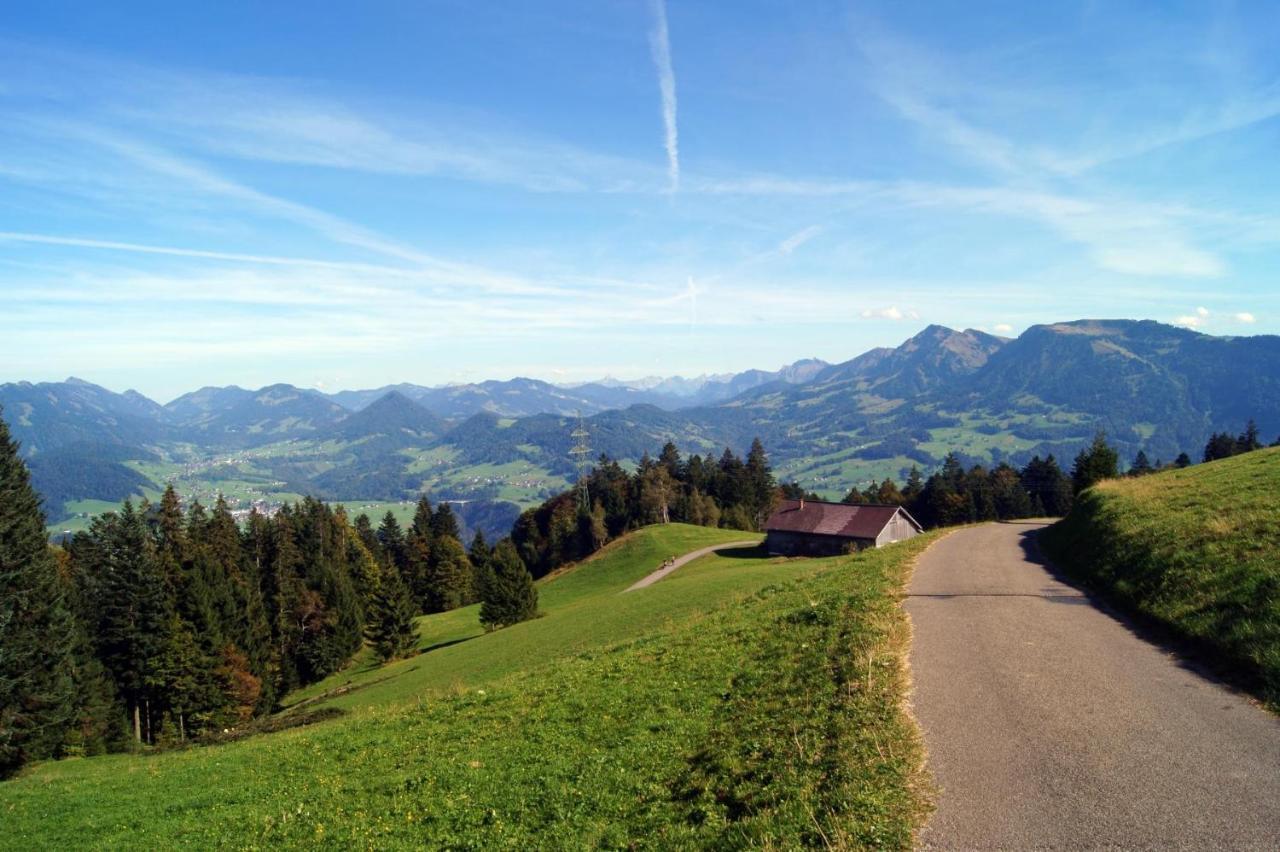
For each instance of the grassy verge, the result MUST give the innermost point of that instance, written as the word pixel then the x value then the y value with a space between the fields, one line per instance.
pixel 771 715
pixel 1194 551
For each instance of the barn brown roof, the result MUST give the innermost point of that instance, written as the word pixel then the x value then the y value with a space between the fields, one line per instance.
pixel 808 516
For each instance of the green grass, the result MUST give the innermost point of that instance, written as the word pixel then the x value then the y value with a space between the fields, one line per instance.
pixel 1196 551
pixel 742 701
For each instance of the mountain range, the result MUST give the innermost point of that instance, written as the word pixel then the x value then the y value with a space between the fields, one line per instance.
pixel 1154 387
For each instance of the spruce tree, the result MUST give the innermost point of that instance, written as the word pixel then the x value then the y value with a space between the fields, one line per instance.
pixel 37 628
pixel 135 616
pixel 444 523
pixel 448 576
pixel 508 594
pixel 390 629
pixel 1095 463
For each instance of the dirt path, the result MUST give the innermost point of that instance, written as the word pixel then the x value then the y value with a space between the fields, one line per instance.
pixel 1050 724
pixel 685 560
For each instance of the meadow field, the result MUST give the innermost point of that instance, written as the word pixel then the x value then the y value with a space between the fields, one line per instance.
pixel 743 700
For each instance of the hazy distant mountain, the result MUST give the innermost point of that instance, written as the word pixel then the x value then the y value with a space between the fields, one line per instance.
pixel 1151 386
pixel 234 417
pixel 49 415
pixel 393 415
pixel 523 397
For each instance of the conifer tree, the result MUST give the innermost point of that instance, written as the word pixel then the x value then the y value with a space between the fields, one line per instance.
pixel 415 572
pixel 478 554
pixel 392 539
pixel 444 523
pixel 1095 463
pixel 37 628
pixel 508 594
pixel 448 576
pixel 390 629
pixel 135 616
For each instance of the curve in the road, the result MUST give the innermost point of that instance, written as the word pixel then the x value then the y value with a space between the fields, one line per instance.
pixel 681 561
pixel 1049 723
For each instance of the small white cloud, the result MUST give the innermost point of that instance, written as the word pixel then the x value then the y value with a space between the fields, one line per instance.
pixel 1189 321
pixel 1003 328
pixel 893 312
pixel 1246 318
pixel 1204 312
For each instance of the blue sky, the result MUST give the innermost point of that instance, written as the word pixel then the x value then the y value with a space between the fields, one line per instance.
pixel 450 191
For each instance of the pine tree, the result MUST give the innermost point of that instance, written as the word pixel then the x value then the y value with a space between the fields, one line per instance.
pixel 37 627
pixel 1250 439
pixel 509 595
pixel 391 630
pixel 135 615
pixel 762 488
pixel 478 554
pixel 449 575
pixel 444 523
pixel 1095 463
pixel 392 539
pixel 1141 465
pixel 915 484
pixel 1183 460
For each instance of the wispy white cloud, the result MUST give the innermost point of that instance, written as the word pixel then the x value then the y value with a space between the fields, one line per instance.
pixel 1189 321
pixel 798 239
pixel 288 121
pixel 1246 318
pixel 660 47
pixel 1003 328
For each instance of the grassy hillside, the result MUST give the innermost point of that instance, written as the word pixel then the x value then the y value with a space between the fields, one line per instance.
pixel 741 701
pixel 1197 551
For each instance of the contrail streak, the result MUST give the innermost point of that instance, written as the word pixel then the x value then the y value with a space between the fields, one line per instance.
pixel 660 47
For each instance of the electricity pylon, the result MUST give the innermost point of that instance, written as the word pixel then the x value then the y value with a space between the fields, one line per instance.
pixel 581 455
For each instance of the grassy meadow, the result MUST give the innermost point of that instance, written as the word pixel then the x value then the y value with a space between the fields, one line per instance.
pixel 741 701
pixel 1197 551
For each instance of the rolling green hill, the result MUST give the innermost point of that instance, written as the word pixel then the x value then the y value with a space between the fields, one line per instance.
pixel 741 701
pixel 1197 551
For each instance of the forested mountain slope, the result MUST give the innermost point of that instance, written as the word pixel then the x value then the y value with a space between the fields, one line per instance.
pixel 1152 387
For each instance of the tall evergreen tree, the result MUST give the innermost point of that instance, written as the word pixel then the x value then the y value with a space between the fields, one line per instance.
pixel 419 543
pixel 135 616
pixel 37 627
pixel 508 594
pixel 444 522
pixel 1095 463
pixel 390 629
pixel 449 575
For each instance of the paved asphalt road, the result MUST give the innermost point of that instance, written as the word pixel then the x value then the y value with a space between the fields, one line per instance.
pixel 663 571
pixel 1050 725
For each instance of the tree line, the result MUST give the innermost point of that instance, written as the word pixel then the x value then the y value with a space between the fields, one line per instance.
pixel 161 624
pixel 729 492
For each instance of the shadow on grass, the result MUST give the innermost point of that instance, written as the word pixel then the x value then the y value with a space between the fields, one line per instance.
pixel 755 551
pixel 451 642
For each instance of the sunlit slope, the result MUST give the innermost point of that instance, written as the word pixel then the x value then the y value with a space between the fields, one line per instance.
pixel 741 701
pixel 581 608
pixel 1197 550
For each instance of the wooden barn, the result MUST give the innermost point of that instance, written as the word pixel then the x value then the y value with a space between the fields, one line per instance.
pixel 811 528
